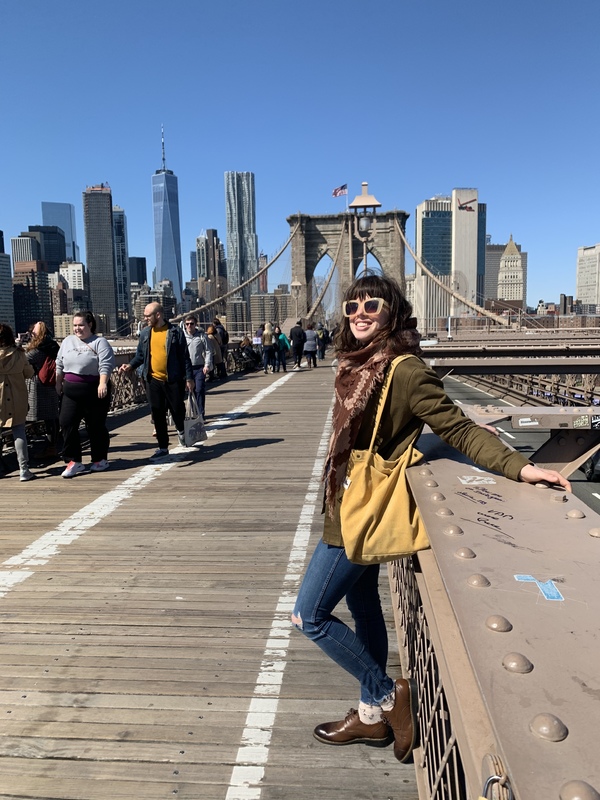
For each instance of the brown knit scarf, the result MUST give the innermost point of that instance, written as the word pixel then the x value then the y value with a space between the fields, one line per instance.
pixel 359 374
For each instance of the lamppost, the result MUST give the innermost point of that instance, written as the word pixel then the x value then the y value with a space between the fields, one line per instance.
pixel 295 287
pixel 364 222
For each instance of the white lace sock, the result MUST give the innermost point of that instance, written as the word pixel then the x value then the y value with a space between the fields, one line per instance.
pixel 369 715
pixel 388 702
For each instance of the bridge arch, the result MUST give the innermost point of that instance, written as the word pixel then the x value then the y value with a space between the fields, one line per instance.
pixel 332 235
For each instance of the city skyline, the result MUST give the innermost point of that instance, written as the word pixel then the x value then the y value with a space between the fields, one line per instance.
pixel 291 119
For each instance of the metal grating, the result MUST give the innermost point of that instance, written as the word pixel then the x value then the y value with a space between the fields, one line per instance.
pixel 439 757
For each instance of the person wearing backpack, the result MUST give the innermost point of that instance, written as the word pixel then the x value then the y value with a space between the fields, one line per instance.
pixel 41 352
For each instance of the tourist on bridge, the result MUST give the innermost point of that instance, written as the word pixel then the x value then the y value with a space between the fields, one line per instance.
pixel 268 348
pixel 219 370
pixel 322 340
pixel 224 337
pixel 41 352
pixel 163 354
pixel 200 349
pixel 310 346
pixel 281 345
pixel 297 338
pixel 14 368
pixel 377 326
pixel 84 364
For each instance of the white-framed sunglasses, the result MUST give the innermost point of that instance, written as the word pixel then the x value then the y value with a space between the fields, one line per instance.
pixel 371 306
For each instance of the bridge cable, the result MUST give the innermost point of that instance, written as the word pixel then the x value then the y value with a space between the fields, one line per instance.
pixel 241 285
pixel 473 306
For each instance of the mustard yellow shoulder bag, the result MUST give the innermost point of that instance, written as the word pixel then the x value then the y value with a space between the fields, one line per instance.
pixel 379 517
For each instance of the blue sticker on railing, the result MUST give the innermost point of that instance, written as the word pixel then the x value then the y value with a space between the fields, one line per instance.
pixel 547 588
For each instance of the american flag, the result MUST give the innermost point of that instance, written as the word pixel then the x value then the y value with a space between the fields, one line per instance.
pixel 343 189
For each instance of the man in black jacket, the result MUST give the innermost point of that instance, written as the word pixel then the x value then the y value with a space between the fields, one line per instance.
pixel 162 353
pixel 297 338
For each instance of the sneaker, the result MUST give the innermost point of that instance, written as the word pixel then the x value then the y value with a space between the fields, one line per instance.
pixel 296 366
pixel 159 453
pixel 100 466
pixel 73 468
pixel 181 437
pixel 26 475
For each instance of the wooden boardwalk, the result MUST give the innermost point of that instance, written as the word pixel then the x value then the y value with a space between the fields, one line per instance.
pixel 145 647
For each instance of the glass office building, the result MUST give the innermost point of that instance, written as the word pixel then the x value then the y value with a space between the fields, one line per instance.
pixel 63 216
pixel 167 240
pixel 100 254
pixel 121 263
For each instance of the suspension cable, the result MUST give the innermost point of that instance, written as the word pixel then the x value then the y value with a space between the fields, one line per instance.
pixel 473 306
pixel 241 285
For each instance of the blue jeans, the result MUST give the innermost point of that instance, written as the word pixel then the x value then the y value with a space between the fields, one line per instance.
pixel 200 391
pixel 330 576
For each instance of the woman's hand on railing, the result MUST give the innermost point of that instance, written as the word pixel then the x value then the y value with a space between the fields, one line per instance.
pixel 532 474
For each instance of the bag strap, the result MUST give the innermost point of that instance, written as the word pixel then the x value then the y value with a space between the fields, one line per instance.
pixel 383 396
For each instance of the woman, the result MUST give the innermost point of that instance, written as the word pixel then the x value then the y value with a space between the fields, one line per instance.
pixel 84 365
pixel 41 351
pixel 218 370
pixel 310 346
pixel 281 345
pixel 377 326
pixel 14 368
pixel 268 347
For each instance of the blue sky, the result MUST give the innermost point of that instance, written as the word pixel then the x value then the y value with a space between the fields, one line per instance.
pixel 414 97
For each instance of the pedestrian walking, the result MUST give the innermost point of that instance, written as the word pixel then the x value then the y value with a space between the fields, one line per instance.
pixel 41 352
pixel 268 348
pixel 377 326
pixel 162 353
pixel 14 369
pixel 322 340
pixel 310 346
pixel 84 364
pixel 297 338
pixel 201 353
pixel 282 345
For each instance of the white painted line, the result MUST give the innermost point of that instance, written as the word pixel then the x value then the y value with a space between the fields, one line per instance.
pixel 506 433
pixel 596 495
pixel 50 544
pixel 477 389
pixel 248 772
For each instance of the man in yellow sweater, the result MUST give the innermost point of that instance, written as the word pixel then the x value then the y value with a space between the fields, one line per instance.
pixel 162 353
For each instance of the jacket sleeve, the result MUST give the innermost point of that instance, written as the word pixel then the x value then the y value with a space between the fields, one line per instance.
pixel 185 354
pixel 429 402
pixel 138 358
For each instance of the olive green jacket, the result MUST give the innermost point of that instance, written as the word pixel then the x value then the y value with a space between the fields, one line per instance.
pixel 417 397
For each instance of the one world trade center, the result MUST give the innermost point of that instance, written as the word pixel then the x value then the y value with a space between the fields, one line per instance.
pixel 167 241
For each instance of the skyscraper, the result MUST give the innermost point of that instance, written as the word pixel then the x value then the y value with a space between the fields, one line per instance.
pixel 587 282
pixel 450 239
pixel 167 240
pixel 137 269
pixel 100 252
pixel 511 276
pixel 52 244
pixel 242 242
pixel 121 263
pixel 7 308
pixel 63 215
pixel 493 257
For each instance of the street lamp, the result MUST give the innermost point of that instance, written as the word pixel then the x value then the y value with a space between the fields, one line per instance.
pixel 295 287
pixel 364 222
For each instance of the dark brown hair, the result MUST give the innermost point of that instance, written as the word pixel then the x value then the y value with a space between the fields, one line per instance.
pixel 7 337
pixel 400 334
pixel 88 317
